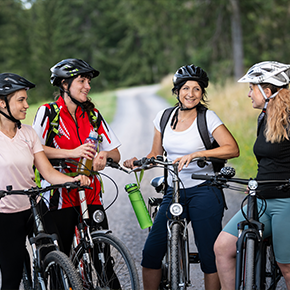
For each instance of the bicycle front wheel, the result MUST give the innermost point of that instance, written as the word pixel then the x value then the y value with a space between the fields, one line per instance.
pixel 60 273
pixel 249 278
pixel 177 259
pixel 108 265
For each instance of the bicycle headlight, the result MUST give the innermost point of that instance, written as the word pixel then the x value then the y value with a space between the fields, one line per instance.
pixel 98 216
pixel 253 184
pixel 176 209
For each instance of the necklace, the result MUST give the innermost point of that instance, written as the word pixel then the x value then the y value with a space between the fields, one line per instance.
pixel 190 117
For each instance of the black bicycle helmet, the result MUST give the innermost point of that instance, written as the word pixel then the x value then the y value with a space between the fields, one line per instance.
pixel 190 72
pixel 68 68
pixel 10 83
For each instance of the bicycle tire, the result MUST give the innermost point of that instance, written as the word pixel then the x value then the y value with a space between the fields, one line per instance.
pixel 177 259
pixel 249 278
pixel 60 273
pixel 108 264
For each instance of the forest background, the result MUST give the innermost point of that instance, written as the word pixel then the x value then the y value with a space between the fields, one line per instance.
pixel 139 42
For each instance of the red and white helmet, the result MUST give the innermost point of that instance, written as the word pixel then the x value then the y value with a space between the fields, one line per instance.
pixel 271 72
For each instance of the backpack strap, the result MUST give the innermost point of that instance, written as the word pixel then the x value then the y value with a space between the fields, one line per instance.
pixel 203 132
pixel 164 119
pixel 53 123
pixel 202 128
pixel 97 120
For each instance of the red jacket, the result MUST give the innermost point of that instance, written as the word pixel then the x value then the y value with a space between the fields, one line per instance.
pixel 73 134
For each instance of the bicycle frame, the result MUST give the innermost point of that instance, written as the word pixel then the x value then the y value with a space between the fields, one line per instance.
pixel 176 218
pixel 39 245
pixel 96 253
pixel 253 232
pixel 51 268
pixel 177 229
pixel 251 246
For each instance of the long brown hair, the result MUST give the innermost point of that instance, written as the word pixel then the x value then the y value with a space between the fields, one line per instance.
pixel 278 115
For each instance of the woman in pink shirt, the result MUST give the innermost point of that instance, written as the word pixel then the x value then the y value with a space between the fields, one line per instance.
pixel 20 150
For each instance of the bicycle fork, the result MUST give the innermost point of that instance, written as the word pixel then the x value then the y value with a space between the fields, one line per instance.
pixel 255 236
pixel 83 236
pixel 185 249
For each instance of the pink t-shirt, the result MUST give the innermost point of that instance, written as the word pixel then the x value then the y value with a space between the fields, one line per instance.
pixel 16 167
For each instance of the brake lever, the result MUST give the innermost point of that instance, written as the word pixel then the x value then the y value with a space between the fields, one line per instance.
pixel 283 186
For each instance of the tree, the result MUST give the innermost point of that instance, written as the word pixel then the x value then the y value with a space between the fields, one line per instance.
pixel 237 39
pixel 14 44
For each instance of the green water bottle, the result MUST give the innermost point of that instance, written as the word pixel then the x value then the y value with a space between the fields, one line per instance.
pixel 138 205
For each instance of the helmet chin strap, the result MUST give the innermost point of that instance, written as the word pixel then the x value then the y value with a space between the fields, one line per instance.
pixel 11 118
pixel 75 101
pixel 262 114
pixel 182 108
pixel 174 120
pixel 265 97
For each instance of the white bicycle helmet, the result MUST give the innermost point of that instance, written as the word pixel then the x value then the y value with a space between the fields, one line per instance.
pixel 271 72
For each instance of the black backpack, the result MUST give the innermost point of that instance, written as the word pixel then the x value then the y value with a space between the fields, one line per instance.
pixel 202 128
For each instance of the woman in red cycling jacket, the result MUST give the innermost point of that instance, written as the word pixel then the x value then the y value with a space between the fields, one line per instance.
pixel 77 115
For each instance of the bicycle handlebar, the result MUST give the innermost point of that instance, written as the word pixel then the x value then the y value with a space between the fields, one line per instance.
pixel 226 175
pixel 201 161
pixel 63 164
pixel 34 191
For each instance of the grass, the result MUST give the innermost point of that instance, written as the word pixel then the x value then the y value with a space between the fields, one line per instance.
pixel 232 105
pixel 105 102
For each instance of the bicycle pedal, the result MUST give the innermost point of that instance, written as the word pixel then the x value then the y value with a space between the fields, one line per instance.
pixel 194 258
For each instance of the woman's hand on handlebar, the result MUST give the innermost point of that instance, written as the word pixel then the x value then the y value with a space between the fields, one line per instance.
pixel 184 160
pixel 84 180
pixel 129 163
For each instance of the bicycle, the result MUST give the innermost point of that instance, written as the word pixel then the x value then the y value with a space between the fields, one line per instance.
pixel 176 262
pixel 52 269
pixel 101 259
pixel 256 267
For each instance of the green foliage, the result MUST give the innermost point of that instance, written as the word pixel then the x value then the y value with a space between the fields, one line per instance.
pixel 14 45
pixel 134 42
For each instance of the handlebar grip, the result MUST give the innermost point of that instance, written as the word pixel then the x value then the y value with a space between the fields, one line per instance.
pixel 202 177
pixel 112 163
pixel 137 162
pixel 216 160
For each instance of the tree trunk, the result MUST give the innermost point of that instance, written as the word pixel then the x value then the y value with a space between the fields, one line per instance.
pixel 237 39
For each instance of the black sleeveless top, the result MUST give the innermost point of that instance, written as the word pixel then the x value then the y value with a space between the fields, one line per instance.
pixel 273 163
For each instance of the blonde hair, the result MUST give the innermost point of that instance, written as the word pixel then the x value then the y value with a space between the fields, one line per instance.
pixel 278 117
